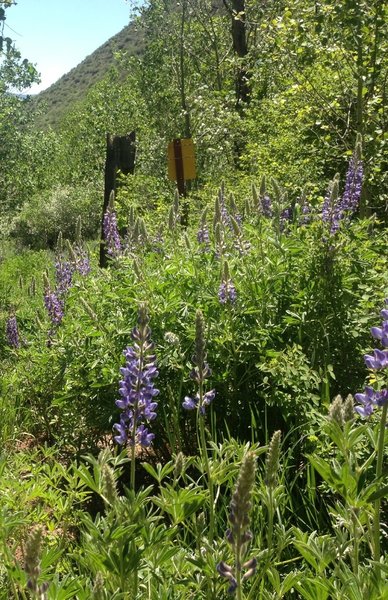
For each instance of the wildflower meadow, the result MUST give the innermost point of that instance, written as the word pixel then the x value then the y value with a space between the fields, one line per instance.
pixel 206 417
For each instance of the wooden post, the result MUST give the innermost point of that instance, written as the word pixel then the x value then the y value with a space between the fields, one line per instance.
pixel 120 154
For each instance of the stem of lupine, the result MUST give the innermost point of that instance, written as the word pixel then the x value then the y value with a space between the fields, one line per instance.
pixel 379 471
pixel 133 457
pixel 238 567
pixel 134 425
pixel 205 458
pixel 270 517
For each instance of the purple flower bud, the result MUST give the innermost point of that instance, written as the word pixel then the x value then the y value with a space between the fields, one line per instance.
pixel 226 571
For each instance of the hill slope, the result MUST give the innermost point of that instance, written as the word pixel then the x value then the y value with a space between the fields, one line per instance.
pixel 56 100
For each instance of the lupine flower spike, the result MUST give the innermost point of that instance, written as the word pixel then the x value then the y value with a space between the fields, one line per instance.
pixel 227 291
pixel 53 303
pixel 336 209
pixel 63 269
pixel 201 370
pixel 82 262
pixel 272 460
pixel 111 232
pixel 239 535
pixel 368 401
pixel 32 565
pixel 377 361
pixel 203 232
pixel 12 332
pixel 137 389
pixel 265 201
pixel 353 184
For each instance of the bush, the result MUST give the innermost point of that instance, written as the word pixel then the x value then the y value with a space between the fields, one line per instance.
pixel 45 215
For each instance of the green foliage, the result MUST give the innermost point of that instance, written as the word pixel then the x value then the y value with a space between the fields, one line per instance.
pixel 291 339
pixel 48 212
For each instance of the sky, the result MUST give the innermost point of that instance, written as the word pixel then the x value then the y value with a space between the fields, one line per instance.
pixel 56 35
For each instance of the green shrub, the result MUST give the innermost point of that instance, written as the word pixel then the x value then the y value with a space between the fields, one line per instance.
pixel 46 214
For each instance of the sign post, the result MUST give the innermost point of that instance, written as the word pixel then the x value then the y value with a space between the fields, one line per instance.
pixel 120 154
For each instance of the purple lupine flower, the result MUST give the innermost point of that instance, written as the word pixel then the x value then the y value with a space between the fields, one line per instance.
pixel 381 333
pixel 54 306
pixel 63 275
pixel 337 209
pixel 353 185
pixel 327 207
pixel 221 207
pixel 192 403
pixel 266 206
pixel 227 292
pixel 82 262
pixel 369 399
pixel 234 210
pixel 203 235
pixel 377 360
pixel 111 233
pixel 306 213
pixel 285 217
pixel 200 372
pixel 12 332
pixel 137 389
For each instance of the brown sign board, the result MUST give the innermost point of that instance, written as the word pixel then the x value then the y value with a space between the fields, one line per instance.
pixel 181 159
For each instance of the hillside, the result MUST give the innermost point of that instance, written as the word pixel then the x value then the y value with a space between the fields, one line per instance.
pixel 56 100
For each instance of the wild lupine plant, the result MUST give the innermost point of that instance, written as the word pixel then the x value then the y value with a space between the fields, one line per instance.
pixel 261 200
pixel 378 361
pixel 53 303
pixel 12 332
pixel 238 535
pixel 199 402
pixel 63 269
pixel 203 232
pixel 81 258
pixel 111 232
pixel 377 397
pixel 336 209
pixel 227 292
pixel 32 566
pixel 200 372
pixel 137 391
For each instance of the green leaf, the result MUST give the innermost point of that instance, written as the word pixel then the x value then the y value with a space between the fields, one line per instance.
pixel 380 493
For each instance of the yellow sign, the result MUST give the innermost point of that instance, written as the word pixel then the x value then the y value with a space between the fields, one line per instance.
pixel 181 159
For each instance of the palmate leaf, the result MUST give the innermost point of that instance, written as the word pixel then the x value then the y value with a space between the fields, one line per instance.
pixel 313 589
pixel 380 493
pixel 339 478
pixel 160 472
pixel 180 503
